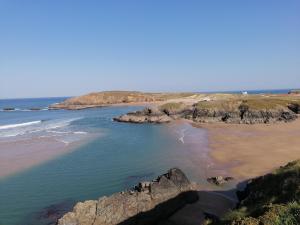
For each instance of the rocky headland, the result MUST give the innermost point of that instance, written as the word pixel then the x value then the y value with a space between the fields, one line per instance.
pixel 106 98
pixel 171 199
pixel 239 110
pixel 203 108
pixel 147 203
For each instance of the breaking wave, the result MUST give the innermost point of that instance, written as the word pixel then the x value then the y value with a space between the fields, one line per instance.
pixel 9 126
pixel 58 126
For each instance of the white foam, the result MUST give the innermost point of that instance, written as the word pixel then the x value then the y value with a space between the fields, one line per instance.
pixel 181 139
pixel 64 141
pixel 9 126
pixel 79 132
pixel 52 126
pixel 58 132
pixel 60 123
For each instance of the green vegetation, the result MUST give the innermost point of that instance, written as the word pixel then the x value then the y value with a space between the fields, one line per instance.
pixel 273 199
pixel 172 107
pixel 226 105
pixel 251 103
pixel 265 103
pixel 114 97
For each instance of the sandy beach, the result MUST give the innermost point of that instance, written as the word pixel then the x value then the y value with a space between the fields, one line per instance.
pixel 253 150
pixel 19 155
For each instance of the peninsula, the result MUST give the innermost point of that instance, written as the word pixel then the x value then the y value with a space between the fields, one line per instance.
pixel 203 108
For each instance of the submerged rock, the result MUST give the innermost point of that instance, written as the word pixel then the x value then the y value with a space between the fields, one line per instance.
pixel 35 109
pixel 147 203
pixel 8 109
pixel 50 214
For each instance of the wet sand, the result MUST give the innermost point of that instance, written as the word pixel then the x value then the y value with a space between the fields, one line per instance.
pixel 19 155
pixel 252 150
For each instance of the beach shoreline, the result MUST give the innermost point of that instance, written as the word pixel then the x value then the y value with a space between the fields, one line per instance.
pixel 249 151
pixel 238 150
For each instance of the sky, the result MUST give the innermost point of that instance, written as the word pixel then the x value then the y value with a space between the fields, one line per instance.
pixel 73 47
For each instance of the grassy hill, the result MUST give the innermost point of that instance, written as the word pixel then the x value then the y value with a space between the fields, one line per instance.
pixel 273 199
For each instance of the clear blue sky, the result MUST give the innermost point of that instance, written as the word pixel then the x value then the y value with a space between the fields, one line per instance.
pixel 67 47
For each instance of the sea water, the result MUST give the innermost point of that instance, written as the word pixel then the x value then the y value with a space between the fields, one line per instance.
pixel 117 157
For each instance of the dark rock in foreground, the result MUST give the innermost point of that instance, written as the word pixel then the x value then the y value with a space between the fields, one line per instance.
pixel 147 203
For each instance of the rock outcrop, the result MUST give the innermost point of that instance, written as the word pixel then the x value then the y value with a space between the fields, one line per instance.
pixel 148 203
pixel 237 111
pixel 295 107
pixel 219 180
pixel 148 115
pixel 245 117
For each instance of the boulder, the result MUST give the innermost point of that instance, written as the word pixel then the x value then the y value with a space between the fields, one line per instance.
pixel 219 180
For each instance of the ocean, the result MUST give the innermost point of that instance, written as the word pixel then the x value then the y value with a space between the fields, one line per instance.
pixel 112 156
pixel 105 156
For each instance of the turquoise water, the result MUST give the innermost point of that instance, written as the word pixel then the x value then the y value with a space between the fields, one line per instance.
pixel 119 156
